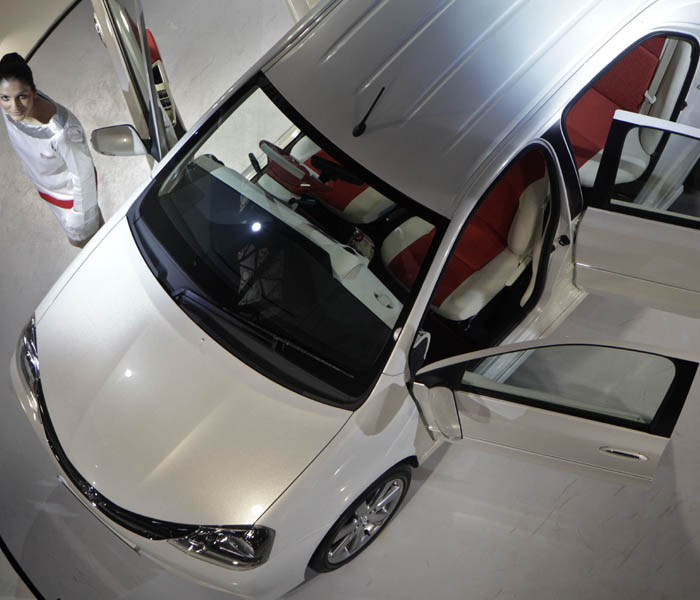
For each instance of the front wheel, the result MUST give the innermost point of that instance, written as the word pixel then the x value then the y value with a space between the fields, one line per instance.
pixel 361 523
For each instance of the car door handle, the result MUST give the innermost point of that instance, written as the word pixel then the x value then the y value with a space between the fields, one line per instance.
pixel 623 453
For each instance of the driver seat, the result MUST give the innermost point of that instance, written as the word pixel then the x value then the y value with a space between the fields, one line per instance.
pixel 347 196
pixel 493 250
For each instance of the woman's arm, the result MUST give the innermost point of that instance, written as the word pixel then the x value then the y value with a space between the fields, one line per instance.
pixel 72 146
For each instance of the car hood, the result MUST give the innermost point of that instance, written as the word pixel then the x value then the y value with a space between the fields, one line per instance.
pixel 156 415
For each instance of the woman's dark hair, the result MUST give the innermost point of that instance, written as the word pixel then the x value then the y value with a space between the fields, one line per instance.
pixel 13 66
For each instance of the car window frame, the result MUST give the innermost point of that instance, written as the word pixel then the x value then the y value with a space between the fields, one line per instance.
pixel 602 196
pixel 552 163
pixel 662 425
pixel 198 135
pixel 680 102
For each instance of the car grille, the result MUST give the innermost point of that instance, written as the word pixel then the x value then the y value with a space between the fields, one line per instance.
pixel 153 529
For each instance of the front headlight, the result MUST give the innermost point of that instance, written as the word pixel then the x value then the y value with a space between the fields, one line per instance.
pixel 232 547
pixel 28 365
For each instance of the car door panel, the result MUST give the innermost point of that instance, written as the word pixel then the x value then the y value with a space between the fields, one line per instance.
pixel 140 72
pixel 560 437
pixel 633 241
pixel 646 261
pixel 600 408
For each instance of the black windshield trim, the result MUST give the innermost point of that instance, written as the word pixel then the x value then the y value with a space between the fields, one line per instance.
pixel 153 529
pixel 338 398
pixel 370 178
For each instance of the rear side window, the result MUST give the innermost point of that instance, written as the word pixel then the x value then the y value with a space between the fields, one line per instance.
pixel 651 78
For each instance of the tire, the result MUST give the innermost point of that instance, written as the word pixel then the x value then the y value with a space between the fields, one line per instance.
pixel 362 522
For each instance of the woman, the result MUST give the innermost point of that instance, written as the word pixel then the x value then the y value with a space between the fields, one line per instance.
pixel 52 148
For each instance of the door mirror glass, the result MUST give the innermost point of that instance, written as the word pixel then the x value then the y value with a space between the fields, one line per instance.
pixel 439 410
pixel 602 381
pixel 117 140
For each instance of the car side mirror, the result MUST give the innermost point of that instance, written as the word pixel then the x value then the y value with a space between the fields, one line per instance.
pixel 439 411
pixel 118 140
pixel 416 357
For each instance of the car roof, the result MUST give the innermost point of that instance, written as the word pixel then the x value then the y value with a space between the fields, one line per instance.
pixel 459 75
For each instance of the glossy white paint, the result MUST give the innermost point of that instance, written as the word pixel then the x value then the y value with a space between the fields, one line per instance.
pixel 648 262
pixel 560 438
pixel 582 445
pixel 381 433
pixel 78 261
pixel 157 400
pixel 361 46
pixel 377 436
pixel 439 411
pixel 134 90
pixel 501 116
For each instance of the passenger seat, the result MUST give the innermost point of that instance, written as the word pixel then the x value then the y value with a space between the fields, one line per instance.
pixel 357 203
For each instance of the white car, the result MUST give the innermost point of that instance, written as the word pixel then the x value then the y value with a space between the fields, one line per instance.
pixel 361 251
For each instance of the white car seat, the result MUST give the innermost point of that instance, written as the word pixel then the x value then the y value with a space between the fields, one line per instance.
pixel 648 79
pixel 494 249
pixel 355 202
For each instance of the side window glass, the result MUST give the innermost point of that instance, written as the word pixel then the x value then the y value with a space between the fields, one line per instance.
pixel 669 184
pixel 648 79
pixel 491 273
pixel 608 382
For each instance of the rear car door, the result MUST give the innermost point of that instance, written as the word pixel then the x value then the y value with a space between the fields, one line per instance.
pixel 141 73
pixel 605 409
pixel 640 239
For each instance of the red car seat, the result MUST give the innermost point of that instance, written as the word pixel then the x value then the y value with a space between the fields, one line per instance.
pixel 351 199
pixel 626 86
pixel 493 250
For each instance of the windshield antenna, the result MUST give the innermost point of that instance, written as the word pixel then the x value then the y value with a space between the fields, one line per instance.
pixel 359 129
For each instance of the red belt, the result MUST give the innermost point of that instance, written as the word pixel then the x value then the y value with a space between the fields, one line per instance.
pixel 61 203
pixel 55 202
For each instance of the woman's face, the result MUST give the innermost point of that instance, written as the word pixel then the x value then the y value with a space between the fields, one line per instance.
pixel 17 98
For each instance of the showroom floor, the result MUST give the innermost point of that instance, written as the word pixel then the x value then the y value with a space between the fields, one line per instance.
pixel 475 525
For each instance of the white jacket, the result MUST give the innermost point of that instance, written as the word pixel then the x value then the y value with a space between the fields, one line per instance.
pixel 57 159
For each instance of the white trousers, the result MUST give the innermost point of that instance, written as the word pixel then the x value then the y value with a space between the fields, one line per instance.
pixel 79 227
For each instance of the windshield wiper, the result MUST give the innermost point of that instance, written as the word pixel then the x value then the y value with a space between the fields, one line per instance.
pixel 276 342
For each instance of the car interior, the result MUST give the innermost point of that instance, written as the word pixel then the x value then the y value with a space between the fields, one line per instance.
pixel 489 277
pixel 488 284
pixel 648 79
pixel 490 280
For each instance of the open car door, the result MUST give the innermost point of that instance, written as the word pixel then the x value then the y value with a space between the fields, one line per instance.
pixel 640 240
pixel 593 407
pixel 141 73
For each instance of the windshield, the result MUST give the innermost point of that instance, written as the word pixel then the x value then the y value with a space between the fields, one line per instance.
pixel 281 251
